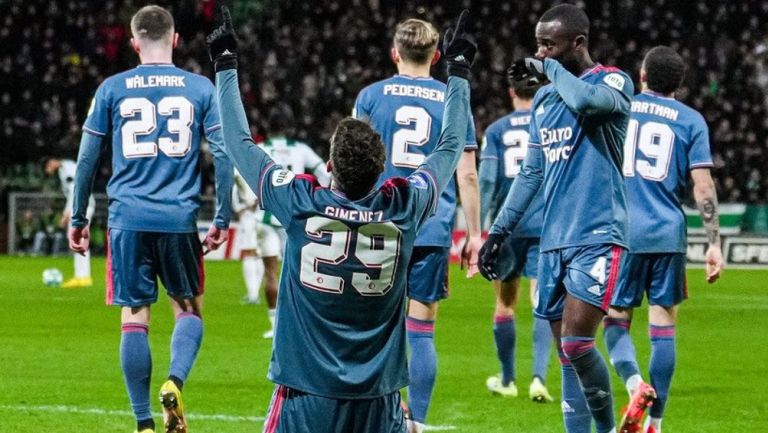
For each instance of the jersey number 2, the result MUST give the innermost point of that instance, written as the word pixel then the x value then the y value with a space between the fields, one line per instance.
pixel 515 145
pixel 404 138
pixel 145 123
pixel 377 248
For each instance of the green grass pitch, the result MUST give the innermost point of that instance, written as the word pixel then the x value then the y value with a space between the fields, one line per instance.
pixel 59 370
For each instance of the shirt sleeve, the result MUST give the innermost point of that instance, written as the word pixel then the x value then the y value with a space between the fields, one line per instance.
pixel 362 108
pixel 211 121
pixel 471 134
pixel 613 94
pixel 699 154
pixel 87 164
pixel 524 189
pixel 98 120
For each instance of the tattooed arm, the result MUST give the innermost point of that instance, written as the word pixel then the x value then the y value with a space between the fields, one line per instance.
pixel 706 200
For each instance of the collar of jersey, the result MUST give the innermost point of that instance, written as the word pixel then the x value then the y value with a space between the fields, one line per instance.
pixel 591 70
pixel 341 194
pixel 408 77
pixel 657 95
pixel 156 64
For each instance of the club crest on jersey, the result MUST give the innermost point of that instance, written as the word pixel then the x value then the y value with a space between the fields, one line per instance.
pixel 614 80
pixel 282 177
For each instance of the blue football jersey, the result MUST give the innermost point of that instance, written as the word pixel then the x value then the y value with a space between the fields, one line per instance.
pixel 506 141
pixel 157 115
pixel 666 139
pixel 408 113
pixel 584 192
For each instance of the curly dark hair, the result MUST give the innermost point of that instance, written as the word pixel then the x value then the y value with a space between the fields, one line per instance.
pixel 357 157
pixel 665 69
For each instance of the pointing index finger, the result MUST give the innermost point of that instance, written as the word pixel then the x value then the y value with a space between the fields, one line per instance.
pixel 462 21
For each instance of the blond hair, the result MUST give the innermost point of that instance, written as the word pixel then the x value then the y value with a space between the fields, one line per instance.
pixel 152 23
pixel 416 40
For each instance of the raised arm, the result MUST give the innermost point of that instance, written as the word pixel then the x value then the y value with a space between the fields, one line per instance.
pixel 706 200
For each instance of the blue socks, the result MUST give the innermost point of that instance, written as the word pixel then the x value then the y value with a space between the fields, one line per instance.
pixel 594 378
pixel 662 365
pixel 542 341
pixel 136 363
pixel 576 416
pixel 504 336
pixel 185 343
pixel 423 366
pixel 621 350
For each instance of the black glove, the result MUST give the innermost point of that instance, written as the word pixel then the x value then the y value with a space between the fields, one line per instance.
pixel 529 69
pixel 222 43
pixel 489 252
pixel 459 52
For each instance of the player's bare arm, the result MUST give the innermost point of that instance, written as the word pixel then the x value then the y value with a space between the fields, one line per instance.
pixel 706 200
pixel 469 191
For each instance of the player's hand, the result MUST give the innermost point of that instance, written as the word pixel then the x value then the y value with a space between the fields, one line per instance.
pixel 214 239
pixel 489 253
pixel 470 255
pixel 458 50
pixel 222 43
pixel 714 260
pixel 79 239
pixel 529 69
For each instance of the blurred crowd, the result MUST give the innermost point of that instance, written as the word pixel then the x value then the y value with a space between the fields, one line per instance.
pixel 315 56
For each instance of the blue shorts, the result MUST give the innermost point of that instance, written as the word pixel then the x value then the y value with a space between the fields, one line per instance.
pixel 518 256
pixel 293 411
pixel 428 274
pixel 588 273
pixel 661 277
pixel 136 259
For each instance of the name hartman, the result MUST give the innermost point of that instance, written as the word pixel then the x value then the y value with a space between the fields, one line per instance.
pixel 141 81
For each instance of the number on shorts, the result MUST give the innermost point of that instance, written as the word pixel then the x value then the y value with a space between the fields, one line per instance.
pixel 144 122
pixel 377 248
pixel 516 145
pixel 404 137
pixel 598 270
pixel 655 141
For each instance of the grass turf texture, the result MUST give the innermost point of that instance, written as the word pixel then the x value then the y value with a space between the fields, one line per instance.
pixel 59 367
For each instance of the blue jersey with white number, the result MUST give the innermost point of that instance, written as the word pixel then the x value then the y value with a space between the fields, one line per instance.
pixel 157 115
pixel 584 193
pixel 666 139
pixel 506 141
pixel 408 113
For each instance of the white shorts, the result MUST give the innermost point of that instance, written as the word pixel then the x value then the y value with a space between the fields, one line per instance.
pixel 247 237
pixel 270 241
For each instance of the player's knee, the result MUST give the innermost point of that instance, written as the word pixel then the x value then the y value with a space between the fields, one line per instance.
pixel 575 349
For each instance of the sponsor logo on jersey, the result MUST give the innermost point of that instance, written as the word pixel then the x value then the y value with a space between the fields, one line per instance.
pixel 557 154
pixel 549 136
pixel 282 177
pixel 614 80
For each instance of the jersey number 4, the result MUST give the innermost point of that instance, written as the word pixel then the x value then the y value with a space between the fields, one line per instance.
pixel 144 122
pixel 655 141
pixel 376 246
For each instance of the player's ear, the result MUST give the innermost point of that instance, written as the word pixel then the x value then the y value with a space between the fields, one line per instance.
pixel 580 42
pixel 643 75
pixel 175 40
pixel 135 45
pixel 329 166
pixel 512 93
pixel 436 57
pixel 394 55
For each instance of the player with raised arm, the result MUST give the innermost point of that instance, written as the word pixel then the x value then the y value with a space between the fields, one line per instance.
pixel 339 358
pixel 503 149
pixel 575 153
pixel 666 141
pixel 157 115
pixel 66 169
pixel 406 110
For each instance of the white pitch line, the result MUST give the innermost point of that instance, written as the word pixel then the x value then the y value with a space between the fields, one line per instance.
pixel 97 411
pixel 439 427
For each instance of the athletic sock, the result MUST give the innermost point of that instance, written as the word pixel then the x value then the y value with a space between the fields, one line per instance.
pixel 651 421
pixel 594 378
pixel 504 336
pixel 253 273
pixel 542 341
pixel 185 343
pixel 136 363
pixel 271 314
pixel 576 416
pixel 423 366
pixel 662 365
pixel 620 348
pixel 83 265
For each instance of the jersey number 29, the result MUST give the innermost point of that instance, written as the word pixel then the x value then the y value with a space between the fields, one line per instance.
pixel 144 122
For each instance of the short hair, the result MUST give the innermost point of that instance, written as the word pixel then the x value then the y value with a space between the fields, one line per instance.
pixel 525 89
pixel 280 119
pixel 152 23
pixel 358 156
pixel 664 68
pixel 574 20
pixel 416 40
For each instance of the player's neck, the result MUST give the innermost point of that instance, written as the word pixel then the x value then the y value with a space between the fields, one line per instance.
pixel 410 70
pixel 522 104
pixel 157 55
pixel 585 64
